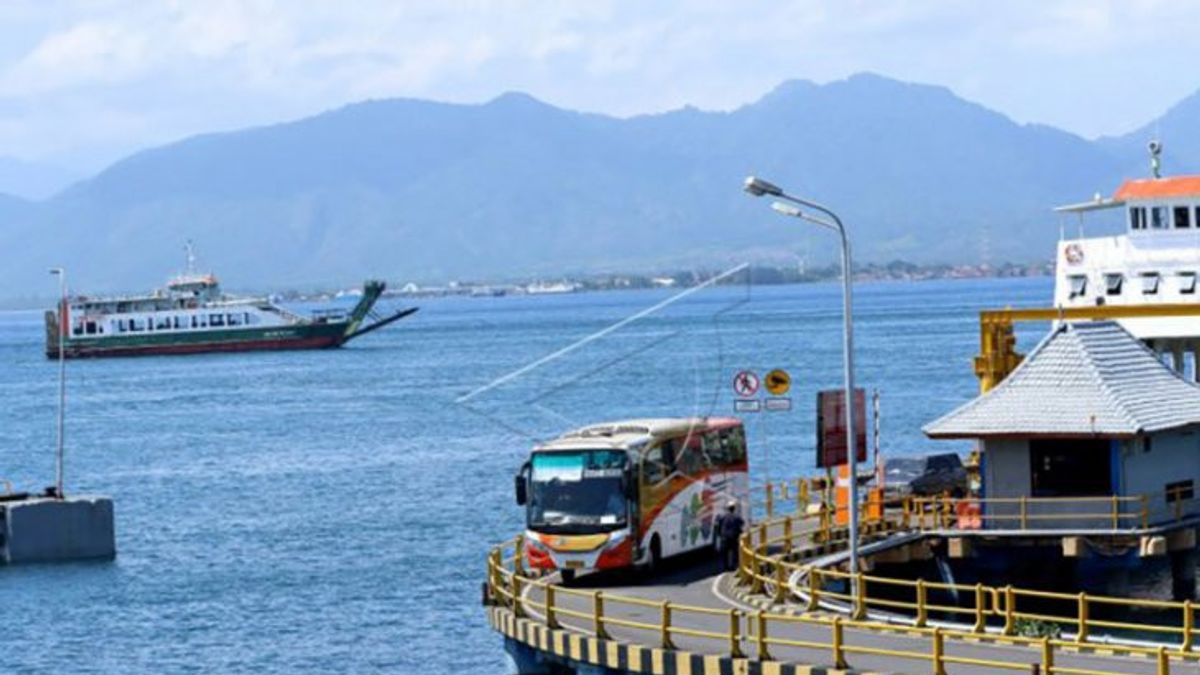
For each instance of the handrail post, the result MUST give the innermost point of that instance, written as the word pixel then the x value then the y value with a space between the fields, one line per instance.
pixel 946 511
pixel 1189 620
pixel 787 535
pixel 735 637
pixel 665 626
pixel 939 665
pixel 979 603
pixel 760 635
pixel 1164 663
pixel 1082 635
pixel 801 496
pixel 1047 656
pixel 1010 601
pixel 860 597
pixel 1024 514
pixel 598 615
pixel 518 610
pixel 780 589
pixel 551 619
pixel 770 500
pixel 754 570
pixel 839 656
pixel 922 609
pixel 519 555
pixel 814 587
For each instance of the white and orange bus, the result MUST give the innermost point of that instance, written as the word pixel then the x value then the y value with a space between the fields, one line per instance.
pixel 630 493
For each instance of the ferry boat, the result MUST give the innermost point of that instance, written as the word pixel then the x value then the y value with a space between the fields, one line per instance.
pixel 191 315
pixel 1154 262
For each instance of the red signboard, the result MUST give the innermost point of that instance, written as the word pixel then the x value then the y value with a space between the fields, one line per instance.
pixel 831 427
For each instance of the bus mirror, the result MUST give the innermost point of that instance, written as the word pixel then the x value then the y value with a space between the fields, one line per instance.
pixel 519 485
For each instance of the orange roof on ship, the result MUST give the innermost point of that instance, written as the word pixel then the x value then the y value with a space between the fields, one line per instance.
pixel 1158 188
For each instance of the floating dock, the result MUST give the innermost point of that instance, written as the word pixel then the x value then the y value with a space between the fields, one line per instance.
pixel 48 529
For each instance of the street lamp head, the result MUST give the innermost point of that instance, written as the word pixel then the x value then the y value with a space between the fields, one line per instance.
pixel 787 209
pixel 759 187
pixel 56 270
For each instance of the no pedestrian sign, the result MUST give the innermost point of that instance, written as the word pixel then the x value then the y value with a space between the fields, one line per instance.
pixel 745 384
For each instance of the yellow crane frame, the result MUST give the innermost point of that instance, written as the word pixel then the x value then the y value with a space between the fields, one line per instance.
pixel 997 345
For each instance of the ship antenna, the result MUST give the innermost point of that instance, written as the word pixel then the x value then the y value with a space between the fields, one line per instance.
pixel 1155 147
pixel 191 257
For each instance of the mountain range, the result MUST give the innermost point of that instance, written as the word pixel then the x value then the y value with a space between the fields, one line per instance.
pixel 416 190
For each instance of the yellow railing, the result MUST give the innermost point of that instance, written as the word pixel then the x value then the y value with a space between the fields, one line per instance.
pixel 765 568
pixel 739 633
pixel 1113 512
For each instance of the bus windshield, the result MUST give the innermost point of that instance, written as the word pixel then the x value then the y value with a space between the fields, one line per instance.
pixel 577 491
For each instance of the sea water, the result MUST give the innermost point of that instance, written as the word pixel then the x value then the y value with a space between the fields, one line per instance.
pixel 330 511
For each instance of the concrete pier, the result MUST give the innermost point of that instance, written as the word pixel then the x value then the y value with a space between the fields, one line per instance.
pixel 46 529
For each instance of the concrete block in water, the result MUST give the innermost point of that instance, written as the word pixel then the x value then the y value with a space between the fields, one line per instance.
pixel 40 529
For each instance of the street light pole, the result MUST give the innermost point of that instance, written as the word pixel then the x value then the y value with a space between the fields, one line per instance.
pixel 758 187
pixel 61 273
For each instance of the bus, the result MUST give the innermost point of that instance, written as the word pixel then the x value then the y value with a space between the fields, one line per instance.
pixel 630 493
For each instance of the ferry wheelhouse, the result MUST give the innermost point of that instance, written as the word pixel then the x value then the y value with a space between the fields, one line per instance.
pixel 1154 262
pixel 192 315
pixel 633 492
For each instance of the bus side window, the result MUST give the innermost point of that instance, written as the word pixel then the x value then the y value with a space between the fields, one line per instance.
pixel 734 442
pixel 715 449
pixel 692 461
pixel 653 468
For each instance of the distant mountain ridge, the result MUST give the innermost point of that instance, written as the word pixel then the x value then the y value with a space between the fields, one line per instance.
pixel 410 189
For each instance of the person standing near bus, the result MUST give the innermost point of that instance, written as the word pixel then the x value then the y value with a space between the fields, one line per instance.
pixel 729 532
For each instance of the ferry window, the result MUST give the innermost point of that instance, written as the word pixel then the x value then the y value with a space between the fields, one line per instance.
pixel 1150 283
pixel 1137 217
pixel 163 323
pixel 1187 283
pixel 1158 217
pixel 1183 217
pixel 77 329
pixel 1078 285
pixel 235 319
pixel 90 328
pixel 121 325
pixel 216 320
pixel 137 325
pixel 1112 283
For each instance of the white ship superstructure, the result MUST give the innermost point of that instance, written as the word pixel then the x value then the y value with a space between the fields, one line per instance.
pixel 1155 262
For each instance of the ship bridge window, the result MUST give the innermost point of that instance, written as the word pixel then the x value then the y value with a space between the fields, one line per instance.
pixel 1187 283
pixel 1150 283
pixel 1078 285
pixel 1158 217
pixel 1183 217
pixel 1137 217
pixel 1112 283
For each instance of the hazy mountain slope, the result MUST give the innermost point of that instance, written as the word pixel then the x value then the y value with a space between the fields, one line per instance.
pixel 1179 130
pixel 413 189
pixel 32 180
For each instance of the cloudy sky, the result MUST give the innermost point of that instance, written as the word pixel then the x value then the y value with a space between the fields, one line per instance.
pixel 83 82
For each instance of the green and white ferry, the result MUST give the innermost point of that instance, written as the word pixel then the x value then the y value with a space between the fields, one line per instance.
pixel 191 315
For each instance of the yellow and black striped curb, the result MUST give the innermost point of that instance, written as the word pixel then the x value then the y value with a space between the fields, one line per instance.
pixel 570 647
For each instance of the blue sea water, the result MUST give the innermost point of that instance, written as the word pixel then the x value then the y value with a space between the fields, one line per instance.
pixel 329 511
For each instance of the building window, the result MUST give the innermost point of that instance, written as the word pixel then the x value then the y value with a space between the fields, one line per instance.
pixel 1078 285
pixel 1158 217
pixel 1112 283
pixel 1187 283
pixel 1183 217
pixel 1137 217
pixel 1070 467
pixel 1150 283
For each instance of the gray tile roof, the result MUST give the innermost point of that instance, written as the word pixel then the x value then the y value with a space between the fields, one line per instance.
pixel 1084 379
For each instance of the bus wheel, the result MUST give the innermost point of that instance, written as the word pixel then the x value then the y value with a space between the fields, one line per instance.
pixel 567 576
pixel 655 555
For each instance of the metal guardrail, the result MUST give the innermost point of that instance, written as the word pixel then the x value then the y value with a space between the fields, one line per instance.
pixel 507 585
pixel 995 611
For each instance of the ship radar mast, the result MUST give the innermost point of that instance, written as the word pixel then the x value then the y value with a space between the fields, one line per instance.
pixel 1155 147
pixel 191 258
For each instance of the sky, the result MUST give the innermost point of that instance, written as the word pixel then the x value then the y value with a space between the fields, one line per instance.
pixel 85 82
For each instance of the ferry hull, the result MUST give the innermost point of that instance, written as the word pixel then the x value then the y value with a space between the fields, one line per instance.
pixel 308 337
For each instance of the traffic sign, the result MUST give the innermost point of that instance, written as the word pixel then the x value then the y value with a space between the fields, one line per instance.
pixel 778 382
pixel 745 384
